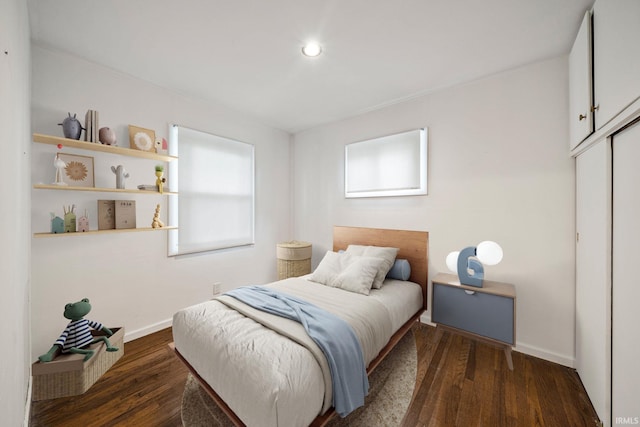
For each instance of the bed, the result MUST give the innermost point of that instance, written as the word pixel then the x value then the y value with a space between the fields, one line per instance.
pixel 260 369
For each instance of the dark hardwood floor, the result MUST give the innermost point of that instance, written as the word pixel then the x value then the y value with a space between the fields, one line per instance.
pixel 460 382
pixel 144 388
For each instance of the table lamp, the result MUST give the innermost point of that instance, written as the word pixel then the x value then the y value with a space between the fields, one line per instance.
pixel 470 270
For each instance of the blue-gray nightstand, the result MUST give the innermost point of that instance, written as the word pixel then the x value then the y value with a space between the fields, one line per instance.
pixel 487 313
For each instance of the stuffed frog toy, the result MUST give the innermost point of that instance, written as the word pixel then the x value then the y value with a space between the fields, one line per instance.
pixel 77 335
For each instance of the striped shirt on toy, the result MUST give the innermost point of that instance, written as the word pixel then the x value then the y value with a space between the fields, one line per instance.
pixel 77 334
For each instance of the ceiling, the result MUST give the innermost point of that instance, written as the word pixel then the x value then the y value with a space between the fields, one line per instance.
pixel 245 55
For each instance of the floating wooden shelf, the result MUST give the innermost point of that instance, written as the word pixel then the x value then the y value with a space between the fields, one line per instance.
pixel 85 233
pixel 100 190
pixel 93 146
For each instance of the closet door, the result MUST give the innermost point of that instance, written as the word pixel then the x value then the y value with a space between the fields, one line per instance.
pixel 625 389
pixel 593 275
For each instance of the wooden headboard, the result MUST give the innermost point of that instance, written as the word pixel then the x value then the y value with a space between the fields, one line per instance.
pixel 413 246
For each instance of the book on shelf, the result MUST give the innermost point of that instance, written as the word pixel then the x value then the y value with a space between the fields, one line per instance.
pixel 125 214
pixel 96 127
pixel 91 126
pixel 87 126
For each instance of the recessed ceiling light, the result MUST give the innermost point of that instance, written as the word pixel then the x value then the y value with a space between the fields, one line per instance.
pixel 312 49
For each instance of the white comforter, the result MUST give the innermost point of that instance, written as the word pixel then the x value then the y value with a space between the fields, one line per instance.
pixel 266 378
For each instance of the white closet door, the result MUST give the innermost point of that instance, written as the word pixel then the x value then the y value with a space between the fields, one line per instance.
pixel 593 275
pixel 625 388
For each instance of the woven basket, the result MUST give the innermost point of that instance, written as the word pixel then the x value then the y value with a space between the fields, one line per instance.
pixel 69 375
pixel 294 259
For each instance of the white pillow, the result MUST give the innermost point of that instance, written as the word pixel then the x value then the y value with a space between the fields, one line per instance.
pixel 346 271
pixel 388 255
pixel 329 268
pixel 358 275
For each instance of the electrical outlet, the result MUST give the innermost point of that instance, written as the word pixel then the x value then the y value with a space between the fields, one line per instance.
pixel 217 288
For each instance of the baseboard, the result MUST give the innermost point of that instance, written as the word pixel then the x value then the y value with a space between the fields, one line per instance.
pixel 545 354
pixel 27 404
pixel 523 348
pixel 139 333
pixel 426 318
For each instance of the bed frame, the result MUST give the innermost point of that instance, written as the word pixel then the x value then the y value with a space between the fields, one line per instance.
pixel 413 246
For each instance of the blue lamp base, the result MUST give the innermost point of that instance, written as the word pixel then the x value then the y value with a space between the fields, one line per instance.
pixel 470 271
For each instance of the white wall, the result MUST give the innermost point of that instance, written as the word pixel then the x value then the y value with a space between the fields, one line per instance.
pixel 499 169
pixel 14 228
pixel 128 276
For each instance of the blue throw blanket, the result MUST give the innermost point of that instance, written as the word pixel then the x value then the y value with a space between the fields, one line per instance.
pixel 334 336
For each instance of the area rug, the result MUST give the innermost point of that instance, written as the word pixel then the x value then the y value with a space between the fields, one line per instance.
pixel 390 390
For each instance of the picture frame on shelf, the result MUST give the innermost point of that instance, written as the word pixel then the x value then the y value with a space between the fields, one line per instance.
pixel 142 139
pixel 78 171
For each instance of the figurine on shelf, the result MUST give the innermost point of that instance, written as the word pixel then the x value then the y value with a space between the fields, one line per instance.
pixel 60 165
pixel 71 127
pixel 156 219
pixel 69 219
pixel 57 224
pixel 107 136
pixel 160 180
pixel 161 145
pixel 83 222
pixel 121 174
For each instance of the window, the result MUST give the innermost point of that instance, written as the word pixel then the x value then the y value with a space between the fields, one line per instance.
pixel 215 180
pixel 394 165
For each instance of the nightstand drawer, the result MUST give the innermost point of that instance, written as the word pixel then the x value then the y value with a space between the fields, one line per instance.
pixel 484 314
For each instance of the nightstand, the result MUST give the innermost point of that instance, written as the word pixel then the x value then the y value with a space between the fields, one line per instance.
pixel 487 313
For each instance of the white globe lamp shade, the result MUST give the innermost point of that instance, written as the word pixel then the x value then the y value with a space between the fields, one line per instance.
pixel 489 253
pixel 452 261
pixel 312 49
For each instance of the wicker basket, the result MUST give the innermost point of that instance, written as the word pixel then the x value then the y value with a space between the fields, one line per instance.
pixel 294 259
pixel 69 375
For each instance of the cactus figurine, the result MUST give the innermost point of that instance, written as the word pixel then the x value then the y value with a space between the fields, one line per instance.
pixel 121 174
